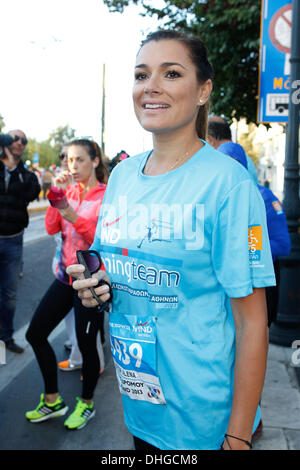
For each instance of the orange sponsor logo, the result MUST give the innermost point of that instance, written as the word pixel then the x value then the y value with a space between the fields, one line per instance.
pixel 255 238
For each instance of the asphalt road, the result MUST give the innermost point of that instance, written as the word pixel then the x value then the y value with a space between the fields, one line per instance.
pixel 21 382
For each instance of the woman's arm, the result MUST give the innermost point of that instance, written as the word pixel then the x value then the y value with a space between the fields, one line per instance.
pixel 250 317
pixel 52 221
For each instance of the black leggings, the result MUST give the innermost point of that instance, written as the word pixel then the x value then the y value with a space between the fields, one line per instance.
pixel 54 306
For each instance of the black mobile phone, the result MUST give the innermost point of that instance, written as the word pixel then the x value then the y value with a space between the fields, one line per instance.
pixel 92 262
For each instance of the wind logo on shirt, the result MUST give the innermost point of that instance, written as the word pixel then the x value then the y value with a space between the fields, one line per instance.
pixel 142 328
pixel 277 207
pixel 255 242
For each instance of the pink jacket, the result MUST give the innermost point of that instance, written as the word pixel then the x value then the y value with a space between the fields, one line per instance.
pixel 78 236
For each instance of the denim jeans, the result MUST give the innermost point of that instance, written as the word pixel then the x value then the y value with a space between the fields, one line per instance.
pixel 10 258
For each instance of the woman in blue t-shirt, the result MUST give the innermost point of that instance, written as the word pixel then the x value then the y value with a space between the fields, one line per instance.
pixel 182 234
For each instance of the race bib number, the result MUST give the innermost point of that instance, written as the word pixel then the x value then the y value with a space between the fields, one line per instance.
pixel 133 346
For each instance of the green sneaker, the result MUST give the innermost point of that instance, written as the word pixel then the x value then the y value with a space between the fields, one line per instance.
pixel 81 415
pixel 46 411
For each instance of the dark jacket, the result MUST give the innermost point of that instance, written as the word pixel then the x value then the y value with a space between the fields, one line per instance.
pixel 23 187
pixel 277 226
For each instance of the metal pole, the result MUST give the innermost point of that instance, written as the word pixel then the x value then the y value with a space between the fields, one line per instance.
pixel 103 111
pixel 286 329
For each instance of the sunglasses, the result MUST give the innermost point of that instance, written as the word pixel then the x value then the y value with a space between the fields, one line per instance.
pixel 22 139
pixel 92 262
pixel 62 156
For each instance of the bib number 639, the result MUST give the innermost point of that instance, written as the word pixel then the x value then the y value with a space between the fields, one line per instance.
pixel 124 354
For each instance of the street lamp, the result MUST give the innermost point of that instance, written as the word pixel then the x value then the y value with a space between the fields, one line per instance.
pixel 286 329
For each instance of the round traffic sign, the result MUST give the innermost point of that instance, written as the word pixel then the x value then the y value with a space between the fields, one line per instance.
pixel 280 29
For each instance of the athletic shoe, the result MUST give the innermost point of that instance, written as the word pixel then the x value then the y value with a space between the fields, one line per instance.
pixel 68 366
pixel 46 411
pixel 81 415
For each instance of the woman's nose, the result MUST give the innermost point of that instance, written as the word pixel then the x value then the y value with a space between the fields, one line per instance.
pixel 152 85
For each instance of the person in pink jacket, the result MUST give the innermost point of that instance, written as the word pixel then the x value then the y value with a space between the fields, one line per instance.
pixel 74 212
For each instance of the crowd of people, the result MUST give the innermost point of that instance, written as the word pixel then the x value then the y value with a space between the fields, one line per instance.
pixel 189 241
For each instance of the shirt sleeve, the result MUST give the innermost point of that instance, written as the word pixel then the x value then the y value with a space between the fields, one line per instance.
pixel 241 252
pixel 96 243
pixel 52 221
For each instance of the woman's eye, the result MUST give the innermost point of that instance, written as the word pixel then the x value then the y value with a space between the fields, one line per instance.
pixel 140 76
pixel 173 74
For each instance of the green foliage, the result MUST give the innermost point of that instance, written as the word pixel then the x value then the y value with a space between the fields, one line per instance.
pixel 49 149
pixel 61 136
pixel 47 154
pixel 231 32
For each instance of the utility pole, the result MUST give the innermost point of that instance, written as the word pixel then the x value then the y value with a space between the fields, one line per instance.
pixel 286 329
pixel 103 111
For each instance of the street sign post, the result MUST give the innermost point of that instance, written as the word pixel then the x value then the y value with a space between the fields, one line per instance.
pixel 274 70
pixel 286 328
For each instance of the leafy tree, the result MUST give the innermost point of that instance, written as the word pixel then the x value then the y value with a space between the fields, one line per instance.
pixel 231 31
pixel 61 136
pixel 47 153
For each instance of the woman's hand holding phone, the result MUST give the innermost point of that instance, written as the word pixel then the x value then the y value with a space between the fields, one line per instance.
pixel 83 285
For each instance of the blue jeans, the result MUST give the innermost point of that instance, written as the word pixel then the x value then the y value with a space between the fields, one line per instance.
pixel 10 258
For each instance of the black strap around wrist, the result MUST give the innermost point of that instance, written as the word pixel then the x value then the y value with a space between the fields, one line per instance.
pixel 238 438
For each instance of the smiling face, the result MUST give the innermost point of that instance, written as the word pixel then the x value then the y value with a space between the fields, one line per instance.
pixel 80 164
pixel 166 92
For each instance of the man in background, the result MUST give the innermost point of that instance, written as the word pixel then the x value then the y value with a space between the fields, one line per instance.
pixel 18 187
pixel 219 133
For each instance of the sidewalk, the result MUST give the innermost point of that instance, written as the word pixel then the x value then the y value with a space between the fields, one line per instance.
pixel 38 206
pixel 280 403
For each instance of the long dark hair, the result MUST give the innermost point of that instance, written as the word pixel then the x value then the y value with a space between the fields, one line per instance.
pixel 204 69
pixel 94 151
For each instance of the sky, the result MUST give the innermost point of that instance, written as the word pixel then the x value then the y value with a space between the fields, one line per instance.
pixel 52 56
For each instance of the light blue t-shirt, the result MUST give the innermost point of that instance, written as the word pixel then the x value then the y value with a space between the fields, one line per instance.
pixel 177 246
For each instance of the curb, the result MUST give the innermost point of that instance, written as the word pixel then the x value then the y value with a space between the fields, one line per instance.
pixel 33 210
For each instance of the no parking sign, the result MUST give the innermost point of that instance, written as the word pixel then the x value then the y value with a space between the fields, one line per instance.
pixel 275 48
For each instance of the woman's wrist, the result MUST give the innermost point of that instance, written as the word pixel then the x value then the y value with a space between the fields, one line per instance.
pixel 69 214
pixel 234 442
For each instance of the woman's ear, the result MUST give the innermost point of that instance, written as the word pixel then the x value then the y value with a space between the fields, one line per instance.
pixel 205 91
pixel 96 162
